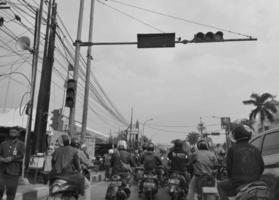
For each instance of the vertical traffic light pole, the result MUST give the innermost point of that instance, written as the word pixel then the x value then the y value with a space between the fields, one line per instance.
pixel 87 81
pixel 76 68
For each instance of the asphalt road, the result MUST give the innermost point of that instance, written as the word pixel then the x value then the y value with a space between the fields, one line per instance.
pixel 99 190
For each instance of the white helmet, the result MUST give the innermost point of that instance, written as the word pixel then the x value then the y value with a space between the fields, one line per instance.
pixel 122 144
pixel 110 151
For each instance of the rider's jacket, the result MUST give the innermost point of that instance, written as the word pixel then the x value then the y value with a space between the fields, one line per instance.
pixel 244 163
pixel 179 159
pixel 65 160
pixel 150 161
pixel 203 161
pixel 121 158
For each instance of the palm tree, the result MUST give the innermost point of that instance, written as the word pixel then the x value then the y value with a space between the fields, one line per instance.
pixel 264 108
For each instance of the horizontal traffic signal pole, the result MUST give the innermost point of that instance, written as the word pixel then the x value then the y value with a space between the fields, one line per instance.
pixel 176 42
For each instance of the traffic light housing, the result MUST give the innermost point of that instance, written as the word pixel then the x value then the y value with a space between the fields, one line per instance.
pixel 70 93
pixel 56 120
pixel 208 37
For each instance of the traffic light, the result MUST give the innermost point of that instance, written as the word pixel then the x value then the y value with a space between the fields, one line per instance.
pixel 57 122
pixel 70 93
pixel 209 37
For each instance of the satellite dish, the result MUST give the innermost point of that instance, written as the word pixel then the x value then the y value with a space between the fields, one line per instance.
pixel 23 43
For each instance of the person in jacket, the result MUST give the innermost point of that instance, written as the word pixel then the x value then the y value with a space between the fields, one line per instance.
pixel 66 164
pixel 11 155
pixel 150 161
pixel 203 162
pixel 122 162
pixel 244 163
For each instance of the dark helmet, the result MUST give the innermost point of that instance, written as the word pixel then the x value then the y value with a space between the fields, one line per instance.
pixel 202 145
pixel 150 147
pixel 75 143
pixel 178 143
pixel 144 146
pixel 241 133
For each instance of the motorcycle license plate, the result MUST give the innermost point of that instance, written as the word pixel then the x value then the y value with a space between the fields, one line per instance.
pixel 118 183
pixel 149 184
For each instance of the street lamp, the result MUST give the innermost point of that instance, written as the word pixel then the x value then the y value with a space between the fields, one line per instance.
pixel 144 124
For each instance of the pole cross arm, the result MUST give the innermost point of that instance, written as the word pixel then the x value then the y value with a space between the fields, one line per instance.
pixel 176 42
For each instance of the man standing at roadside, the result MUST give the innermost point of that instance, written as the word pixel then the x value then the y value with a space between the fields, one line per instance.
pixel 11 155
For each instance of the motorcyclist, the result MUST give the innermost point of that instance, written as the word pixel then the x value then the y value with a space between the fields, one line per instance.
pixel 122 162
pixel 66 165
pixel 178 157
pixel 203 162
pixel 244 163
pixel 150 162
pixel 84 161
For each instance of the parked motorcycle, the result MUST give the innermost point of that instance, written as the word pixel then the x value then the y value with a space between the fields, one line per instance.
pixel 150 185
pixel 61 189
pixel 117 189
pixel 175 186
pixel 257 190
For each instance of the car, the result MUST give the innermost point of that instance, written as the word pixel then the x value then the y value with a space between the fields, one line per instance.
pixel 268 143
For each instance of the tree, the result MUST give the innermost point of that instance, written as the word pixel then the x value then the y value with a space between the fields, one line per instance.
pixel 264 108
pixel 193 137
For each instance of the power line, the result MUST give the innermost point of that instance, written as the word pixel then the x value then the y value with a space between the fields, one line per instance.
pixel 132 17
pixel 181 19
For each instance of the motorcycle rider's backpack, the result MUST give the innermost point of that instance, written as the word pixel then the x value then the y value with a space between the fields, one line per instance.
pixel 257 190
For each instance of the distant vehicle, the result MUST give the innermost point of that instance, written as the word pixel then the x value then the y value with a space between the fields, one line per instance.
pixel 268 143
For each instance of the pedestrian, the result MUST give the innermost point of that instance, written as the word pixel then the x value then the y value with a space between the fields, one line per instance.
pixel 47 164
pixel 11 155
pixel 107 164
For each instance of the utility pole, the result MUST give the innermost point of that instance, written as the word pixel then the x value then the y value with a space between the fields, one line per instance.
pixel 76 68
pixel 36 47
pixel 45 85
pixel 87 81
pixel 131 127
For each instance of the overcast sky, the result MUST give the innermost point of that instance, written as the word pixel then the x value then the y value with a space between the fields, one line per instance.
pixel 177 86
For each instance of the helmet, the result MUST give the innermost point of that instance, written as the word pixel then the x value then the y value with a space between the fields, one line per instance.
pixel 75 143
pixel 144 146
pixel 202 145
pixel 241 132
pixel 150 147
pixel 122 144
pixel 178 143
pixel 163 151
pixel 110 151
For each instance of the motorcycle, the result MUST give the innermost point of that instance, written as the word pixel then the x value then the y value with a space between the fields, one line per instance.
pixel 150 185
pixel 162 175
pixel 221 172
pixel 117 190
pixel 138 175
pixel 203 181
pixel 64 190
pixel 176 190
pixel 257 190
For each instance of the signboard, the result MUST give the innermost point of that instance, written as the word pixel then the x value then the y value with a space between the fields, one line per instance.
pixel 225 122
pixel 156 40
